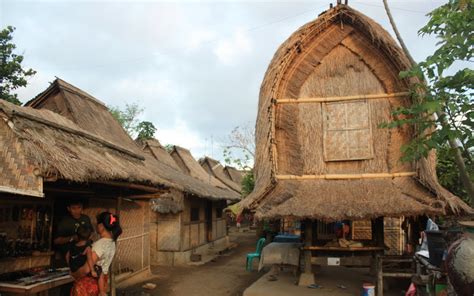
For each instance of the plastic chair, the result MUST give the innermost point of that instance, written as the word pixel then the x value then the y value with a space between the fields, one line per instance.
pixel 257 254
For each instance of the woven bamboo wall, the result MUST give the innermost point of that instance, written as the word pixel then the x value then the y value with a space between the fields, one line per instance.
pixel 133 246
pixel 393 234
pixel 311 136
pixel 15 171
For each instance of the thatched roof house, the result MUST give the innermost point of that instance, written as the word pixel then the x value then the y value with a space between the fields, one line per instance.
pixel 41 145
pixel 85 111
pixel 320 151
pixel 214 168
pixel 197 184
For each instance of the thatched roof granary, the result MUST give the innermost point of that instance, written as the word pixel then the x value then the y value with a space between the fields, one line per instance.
pixel 214 168
pixel 320 151
pixel 163 164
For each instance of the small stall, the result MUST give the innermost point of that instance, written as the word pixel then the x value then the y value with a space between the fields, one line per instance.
pixel 48 160
pixel 25 246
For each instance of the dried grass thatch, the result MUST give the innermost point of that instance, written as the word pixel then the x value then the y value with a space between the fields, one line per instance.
pixel 85 111
pixel 214 168
pixel 234 174
pixel 191 166
pixel 162 164
pixel 57 148
pixel 341 53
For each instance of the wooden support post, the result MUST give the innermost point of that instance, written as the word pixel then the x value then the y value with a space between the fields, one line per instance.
pixel 378 237
pixel 378 232
pixel 113 290
pixel 307 277
pixel 379 273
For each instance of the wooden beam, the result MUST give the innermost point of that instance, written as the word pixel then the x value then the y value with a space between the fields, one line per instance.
pixel 343 98
pixel 147 188
pixel 308 241
pixel 26 192
pixel 346 176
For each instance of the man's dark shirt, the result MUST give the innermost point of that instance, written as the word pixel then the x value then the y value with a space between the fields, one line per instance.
pixel 68 227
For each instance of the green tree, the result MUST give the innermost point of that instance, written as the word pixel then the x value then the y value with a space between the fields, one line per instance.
pixel 248 183
pixel 12 75
pixel 129 120
pixel 448 172
pixel 146 130
pixel 443 108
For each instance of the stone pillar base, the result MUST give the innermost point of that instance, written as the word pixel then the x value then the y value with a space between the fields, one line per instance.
pixel 306 279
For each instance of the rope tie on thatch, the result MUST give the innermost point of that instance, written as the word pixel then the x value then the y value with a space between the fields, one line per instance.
pixel 346 176
pixel 343 98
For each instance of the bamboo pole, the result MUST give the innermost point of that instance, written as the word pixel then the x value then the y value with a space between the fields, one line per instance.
pixel 346 176
pixel 341 98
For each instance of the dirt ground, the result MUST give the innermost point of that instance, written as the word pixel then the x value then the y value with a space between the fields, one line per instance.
pixel 225 275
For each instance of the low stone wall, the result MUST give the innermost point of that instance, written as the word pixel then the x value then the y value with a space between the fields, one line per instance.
pixel 173 258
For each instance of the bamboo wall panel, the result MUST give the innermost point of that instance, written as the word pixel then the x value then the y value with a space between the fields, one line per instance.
pixel 194 234
pixel 15 171
pixel 214 230
pixel 202 233
pixel 186 241
pixel 169 238
pixel 344 73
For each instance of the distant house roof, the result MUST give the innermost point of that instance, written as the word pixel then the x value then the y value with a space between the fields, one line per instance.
pixel 214 168
pixel 164 165
pixel 235 174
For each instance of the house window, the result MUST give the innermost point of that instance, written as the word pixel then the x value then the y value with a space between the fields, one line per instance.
pixel 347 131
pixel 219 213
pixel 194 214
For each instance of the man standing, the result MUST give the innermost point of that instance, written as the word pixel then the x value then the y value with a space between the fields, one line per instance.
pixel 66 235
pixel 67 227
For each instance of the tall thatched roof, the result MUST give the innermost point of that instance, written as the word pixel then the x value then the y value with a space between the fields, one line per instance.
pixel 214 168
pixel 46 145
pixel 342 56
pixel 162 164
pixel 85 111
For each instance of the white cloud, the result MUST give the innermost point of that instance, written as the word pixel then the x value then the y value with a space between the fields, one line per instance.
pixel 180 134
pixel 198 37
pixel 229 50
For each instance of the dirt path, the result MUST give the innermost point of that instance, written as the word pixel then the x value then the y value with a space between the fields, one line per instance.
pixel 225 276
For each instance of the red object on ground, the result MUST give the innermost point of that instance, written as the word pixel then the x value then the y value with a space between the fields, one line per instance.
pixel 86 286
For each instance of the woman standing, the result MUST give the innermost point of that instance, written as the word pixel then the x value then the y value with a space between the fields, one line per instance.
pixel 103 251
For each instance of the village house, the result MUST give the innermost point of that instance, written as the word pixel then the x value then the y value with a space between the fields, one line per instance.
pixel 188 220
pixel 49 160
pixel 65 145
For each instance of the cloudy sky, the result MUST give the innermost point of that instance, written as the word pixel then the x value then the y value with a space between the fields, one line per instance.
pixel 196 67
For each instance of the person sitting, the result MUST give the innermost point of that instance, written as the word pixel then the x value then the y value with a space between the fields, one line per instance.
pixel 80 252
